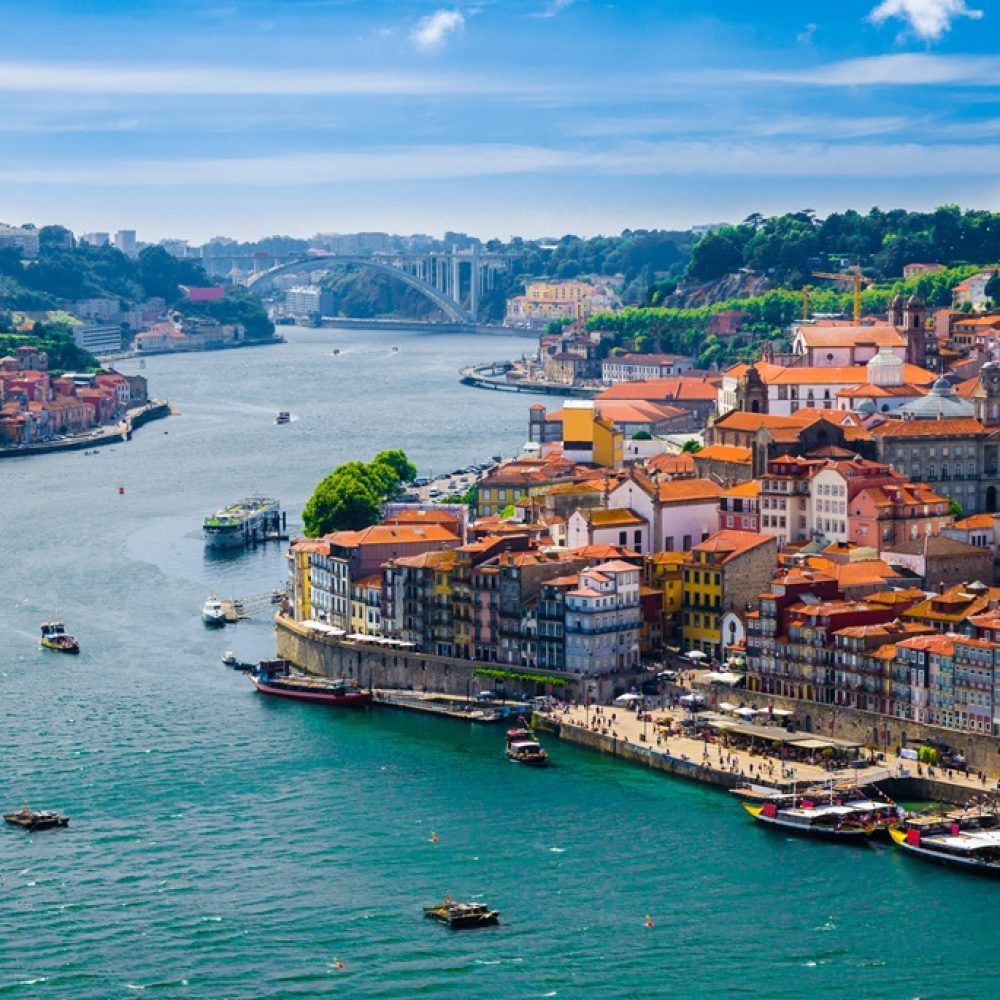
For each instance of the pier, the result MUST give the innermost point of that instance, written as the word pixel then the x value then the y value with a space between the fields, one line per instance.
pixel 452 706
pixel 494 376
pixel 242 608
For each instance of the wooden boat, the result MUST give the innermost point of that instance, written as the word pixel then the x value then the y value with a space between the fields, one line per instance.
pixel 54 636
pixel 834 822
pixel 523 748
pixel 275 677
pixel 461 916
pixel 976 851
pixel 28 819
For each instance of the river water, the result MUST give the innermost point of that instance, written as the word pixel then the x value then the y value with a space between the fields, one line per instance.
pixel 222 845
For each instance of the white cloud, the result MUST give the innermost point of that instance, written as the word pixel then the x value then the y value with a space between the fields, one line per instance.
pixel 553 7
pixel 928 19
pixel 805 36
pixel 433 30
pixel 889 161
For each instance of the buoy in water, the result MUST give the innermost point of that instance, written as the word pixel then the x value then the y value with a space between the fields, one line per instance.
pixel 121 490
pixel 337 964
pixel 649 920
pixel 434 837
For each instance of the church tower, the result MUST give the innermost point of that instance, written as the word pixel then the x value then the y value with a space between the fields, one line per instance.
pixel 895 317
pixel 986 397
pixel 914 328
pixel 751 393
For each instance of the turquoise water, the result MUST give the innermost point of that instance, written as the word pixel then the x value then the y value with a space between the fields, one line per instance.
pixel 224 845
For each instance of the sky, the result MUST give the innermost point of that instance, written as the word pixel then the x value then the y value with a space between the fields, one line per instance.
pixel 196 118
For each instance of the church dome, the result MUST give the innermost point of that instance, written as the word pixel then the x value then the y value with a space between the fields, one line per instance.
pixel 942 387
pixel 886 368
pixel 865 408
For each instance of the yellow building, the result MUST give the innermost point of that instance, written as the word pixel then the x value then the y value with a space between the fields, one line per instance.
pixel 366 605
pixel 299 554
pixel 588 437
pixel 544 301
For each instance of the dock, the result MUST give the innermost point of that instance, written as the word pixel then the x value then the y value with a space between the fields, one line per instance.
pixel 238 609
pixel 451 706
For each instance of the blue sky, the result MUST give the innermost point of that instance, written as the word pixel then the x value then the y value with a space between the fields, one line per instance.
pixel 496 117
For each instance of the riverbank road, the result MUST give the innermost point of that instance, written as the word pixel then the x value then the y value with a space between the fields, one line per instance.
pixel 759 768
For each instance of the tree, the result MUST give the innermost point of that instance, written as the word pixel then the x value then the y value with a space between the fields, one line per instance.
pixel 993 288
pixel 691 446
pixel 955 509
pixel 642 436
pixel 396 459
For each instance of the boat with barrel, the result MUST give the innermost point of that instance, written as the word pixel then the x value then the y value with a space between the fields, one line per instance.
pixel 30 819
pixel 248 520
pixel 461 916
pixel 523 748
pixel 974 850
pixel 852 822
pixel 276 677
pixel 54 636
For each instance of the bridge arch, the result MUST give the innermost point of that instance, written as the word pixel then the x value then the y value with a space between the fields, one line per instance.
pixel 455 312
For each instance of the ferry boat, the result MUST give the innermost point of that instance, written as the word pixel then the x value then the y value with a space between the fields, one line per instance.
pixel 276 678
pixel 241 522
pixel 283 417
pixel 831 821
pixel 460 916
pixel 975 850
pixel 523 748
pixel 54 637
pixel 28 819
pixel 212 612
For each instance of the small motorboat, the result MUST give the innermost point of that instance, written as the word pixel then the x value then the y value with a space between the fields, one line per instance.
pixel 29 819
pixel 523 748
pixel 54 636
pixel 229 658
pixel 395 350
pixel 213 613
pixel 461 916
pixel 283 417
pixel 335 352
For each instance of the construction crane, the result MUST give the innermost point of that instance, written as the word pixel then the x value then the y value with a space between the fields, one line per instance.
pixel 806 289
pixel 857 279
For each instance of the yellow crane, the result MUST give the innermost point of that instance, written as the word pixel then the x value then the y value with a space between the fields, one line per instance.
pixel 857 279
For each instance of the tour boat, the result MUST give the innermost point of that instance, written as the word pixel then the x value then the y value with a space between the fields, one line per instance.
pixel 213 613
pixel 975 851
pixel 28 819
pixel 54 637
pixel 836 822
pixel 523 748
pixel 460 916
pixel 283 417
pixel 275 677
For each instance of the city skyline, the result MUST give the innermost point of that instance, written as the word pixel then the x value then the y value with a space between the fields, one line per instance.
pixel 529 117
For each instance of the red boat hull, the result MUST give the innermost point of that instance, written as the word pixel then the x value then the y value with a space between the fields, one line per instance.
pixel 355 698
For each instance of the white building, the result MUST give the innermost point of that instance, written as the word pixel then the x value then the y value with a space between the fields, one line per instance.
pixel 21 238
pixel 125 241
pixel 98 338
pixel 306 300
pixel 603 620
pixel 636 367
pixel 96 239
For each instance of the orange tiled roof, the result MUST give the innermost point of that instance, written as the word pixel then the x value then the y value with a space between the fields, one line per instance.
pixel 681 490
pixel 948 427
pixel 975 521
pixel 730 543
pixel 725 453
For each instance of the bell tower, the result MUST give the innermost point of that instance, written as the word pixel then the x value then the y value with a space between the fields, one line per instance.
pixel 751 393
pixel 915 330
pixel 986 397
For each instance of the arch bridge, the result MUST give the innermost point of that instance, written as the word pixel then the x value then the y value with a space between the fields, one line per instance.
pixel 438 276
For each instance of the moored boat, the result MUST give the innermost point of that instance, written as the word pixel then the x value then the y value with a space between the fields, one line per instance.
pixel 283 417
pixel 523 748
pixel 242 522
pixel 275 677
pixel 460 916
pixel 54 636
pixel 976 851
pixel 212 612
pixel 30 819
pixel 830 821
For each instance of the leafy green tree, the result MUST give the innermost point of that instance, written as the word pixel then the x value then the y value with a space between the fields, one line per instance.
pixel 955 509
pixel 993 288
pixel 396 459
pixel 642 436
pixel 691 446
pixel 343 501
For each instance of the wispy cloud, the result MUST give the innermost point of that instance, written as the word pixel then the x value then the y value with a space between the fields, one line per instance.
pixel 806 35
pixel 432 31
pixel 927 19
pixel 698 123
pixel 665 159
pixel 122 81
pixel 554 7
pixel 902 69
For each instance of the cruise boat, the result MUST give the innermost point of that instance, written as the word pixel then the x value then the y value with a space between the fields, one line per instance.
pixel 523 748
pixel 29 819
pixel 213 613
pixel 241 522
pixel 461 916
pixel 283 417
pixel 54 637
pixel 275 677
pixel 851 822
pixel 975 850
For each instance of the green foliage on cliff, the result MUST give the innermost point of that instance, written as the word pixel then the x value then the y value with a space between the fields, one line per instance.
pixel 350 497
pixel 56 340
pixel 518 675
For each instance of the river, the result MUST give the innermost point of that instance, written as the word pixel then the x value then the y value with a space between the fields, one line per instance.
pixel 222 845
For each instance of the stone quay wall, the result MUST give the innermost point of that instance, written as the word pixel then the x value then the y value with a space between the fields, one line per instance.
pixel 982 752
pixel 381 667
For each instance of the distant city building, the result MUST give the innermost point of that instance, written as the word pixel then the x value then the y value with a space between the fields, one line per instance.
pixel 972 291
pixel 915 270
pixel 635 367
pixel 96 239
pixel 105 310
pixel 125 241
pixel 22 238
pixel 206 293
pixel 308 300
pixel 98 338
pixel 176 248
pixel 544 301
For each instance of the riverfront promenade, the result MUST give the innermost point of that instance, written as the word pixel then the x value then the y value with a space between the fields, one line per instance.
pixel 756 768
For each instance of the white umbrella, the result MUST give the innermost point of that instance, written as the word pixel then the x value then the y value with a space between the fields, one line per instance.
pixel 727 706
pixel 693 699
pixel 747 712
pixel 696 654
pixel 627 699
